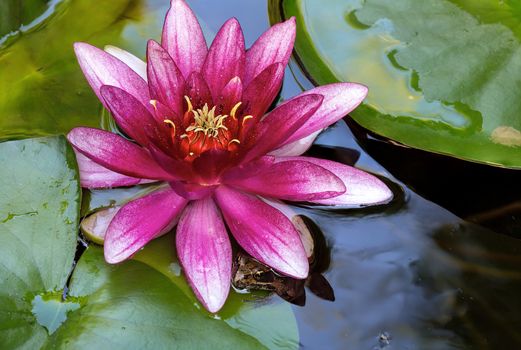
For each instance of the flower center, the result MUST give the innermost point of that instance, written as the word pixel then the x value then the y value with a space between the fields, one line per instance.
pixel 206 129
pixel 205 121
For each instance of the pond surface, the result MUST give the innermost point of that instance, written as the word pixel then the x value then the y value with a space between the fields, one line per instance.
pixel 408 275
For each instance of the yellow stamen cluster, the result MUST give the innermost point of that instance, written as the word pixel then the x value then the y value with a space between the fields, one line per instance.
pixel 207 122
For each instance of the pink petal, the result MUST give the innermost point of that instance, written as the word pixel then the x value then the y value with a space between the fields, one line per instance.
pixel 139 221
pixel 296 148
pixel 264 232
pixel 135 63
pixel 273 131
pixel 116 153
pixel 164 78
pixel 225 58
pixel 361 188
pixel 205 252
pixel 183 38
pixel 93 175
pixel 197 89
pixel 101 68
pixel 262 90
pixel 275 45
pixel 230 94
pixel 133 118
pixel 291 180
pixel 339 100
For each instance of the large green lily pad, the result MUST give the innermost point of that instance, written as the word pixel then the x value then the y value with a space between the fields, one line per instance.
pixel 43 89
pixel 121 311
pixel 39 211
pixel 443 75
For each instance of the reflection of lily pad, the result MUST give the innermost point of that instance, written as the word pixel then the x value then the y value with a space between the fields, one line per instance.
pixel 443 76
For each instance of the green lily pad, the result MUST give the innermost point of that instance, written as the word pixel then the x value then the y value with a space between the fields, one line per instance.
pixel 43 89
pixel 443 75
pixel 122 312
pixel 39 212
pixel 15 13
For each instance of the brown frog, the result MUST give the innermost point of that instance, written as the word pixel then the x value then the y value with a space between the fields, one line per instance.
pixel 250 274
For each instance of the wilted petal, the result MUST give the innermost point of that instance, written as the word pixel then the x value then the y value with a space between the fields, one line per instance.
pixel 205 252
pixel 296 148
pixel 361 188
pixel 273 131
pixel 261 92
pixel 291 180
pixel 101 68
pixel 225 58
pixel 339 100
pixel 93 175
pixel 133 118
pixel 116 153
pixel 135 63
pixel 164 78
pixel 263 231
pixel 139 221
pixel 275 45
pixel 183 38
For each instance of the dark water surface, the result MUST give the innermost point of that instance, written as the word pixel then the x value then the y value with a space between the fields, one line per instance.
pixel 409 275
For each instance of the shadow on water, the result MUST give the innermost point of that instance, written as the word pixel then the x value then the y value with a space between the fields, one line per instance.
pixel 409 275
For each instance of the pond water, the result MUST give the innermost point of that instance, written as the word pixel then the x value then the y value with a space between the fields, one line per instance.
pixel 407 275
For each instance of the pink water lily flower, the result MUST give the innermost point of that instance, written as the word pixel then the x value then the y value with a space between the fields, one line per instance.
pixel 197 119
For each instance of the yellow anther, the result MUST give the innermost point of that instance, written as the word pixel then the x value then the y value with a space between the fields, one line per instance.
pixel 154 104
pixel 171 123
pixel 246 118
pixel 189 103
pixel 234 109
pixel 234 141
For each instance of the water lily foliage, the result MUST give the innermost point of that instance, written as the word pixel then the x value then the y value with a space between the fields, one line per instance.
pixel 198 121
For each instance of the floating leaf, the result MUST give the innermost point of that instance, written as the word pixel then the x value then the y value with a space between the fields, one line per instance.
pixel 133 306
pixel 443 76
pixel 39 211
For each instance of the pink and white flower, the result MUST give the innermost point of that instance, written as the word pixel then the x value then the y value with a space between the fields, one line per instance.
pixel 198 121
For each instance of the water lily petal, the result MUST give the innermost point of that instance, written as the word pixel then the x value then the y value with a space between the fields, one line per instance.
pixel 116 153
pixel 361 188
pixel 262 90
pixel 273 131
pixel 263 232
pixel 197 89
pixel 165 80
pixel 230 94
pixel 183 38
pixel 295 180
pixel 296 148
pixel 101 68
pixel 225 58
pixel 339 100
pixel 134 119
pixel 135 63
pixel 205 252
pixel 139 221
pixel 275 45
pixel 93 175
